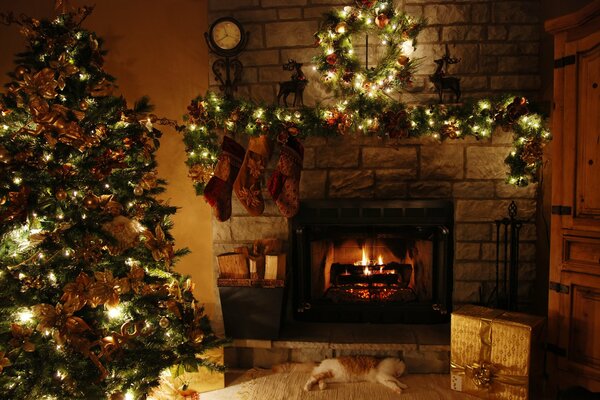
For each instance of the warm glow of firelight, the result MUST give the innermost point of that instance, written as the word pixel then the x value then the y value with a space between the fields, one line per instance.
pixel 380 260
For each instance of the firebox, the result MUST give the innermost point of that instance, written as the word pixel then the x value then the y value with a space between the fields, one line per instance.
pixel 372 261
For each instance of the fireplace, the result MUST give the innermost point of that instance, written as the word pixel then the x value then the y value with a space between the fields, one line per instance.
pixel 372 261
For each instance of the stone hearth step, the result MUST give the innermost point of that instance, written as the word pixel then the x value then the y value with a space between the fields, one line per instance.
pixel 424 348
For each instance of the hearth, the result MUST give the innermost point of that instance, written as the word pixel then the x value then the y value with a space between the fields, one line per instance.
pixel 372 261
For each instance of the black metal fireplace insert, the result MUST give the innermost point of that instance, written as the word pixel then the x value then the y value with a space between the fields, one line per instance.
pixel 387 261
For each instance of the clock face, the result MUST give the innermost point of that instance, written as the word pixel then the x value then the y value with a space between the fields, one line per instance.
pixel 226 35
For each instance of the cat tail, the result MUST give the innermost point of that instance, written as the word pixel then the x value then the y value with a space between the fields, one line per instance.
pixel 294 367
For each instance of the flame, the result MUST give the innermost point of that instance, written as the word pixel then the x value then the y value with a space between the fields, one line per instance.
pixel 380 260
pixel 365 259
pixel 367 271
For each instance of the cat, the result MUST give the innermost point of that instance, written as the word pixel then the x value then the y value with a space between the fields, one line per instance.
pixel 358 369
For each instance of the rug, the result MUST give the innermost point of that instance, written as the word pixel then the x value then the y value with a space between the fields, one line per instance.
pixel 265 385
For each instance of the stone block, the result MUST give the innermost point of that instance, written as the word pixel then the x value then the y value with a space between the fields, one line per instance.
pixel 258 57
pixel 267 358
pixel 315 12
pixel 427 362
pixel 516 11
pixel 290 34
pixel 344 156
pixel 486 162
pixel 302 55
pixel 518 64
pixel 274 74
pixel 252 228
pixel 508 191
pixel 480 13
pixel 307 355
pixel 499 49
pixel 430 189
pixel 389 157
pixel 395 175
pixel 429 35
pixel 473 190
pixel 490 210
pixel 346 352
pixel 221 231
pixel 333 2
pixel 313 184
pixel 263 92
pixel 462 33
pixel 515 82
pixel 470 83
pixel 442 162
pixel 290 13
pixel 475 232
pixel 391 190
pixel 309 158
pixel 314 141
pixel 446 14
pixel 351 184
pixel 500 136
pixel 215 5
pixel 474 271
pixel 529 48
pixel 524 32
pixel 255 15
pixel 256 39
pixel 467 251
pixel 497 32
pixel 488 64
pixel 466 292
pixel 414 10
pixel 469 58
pixel 528 232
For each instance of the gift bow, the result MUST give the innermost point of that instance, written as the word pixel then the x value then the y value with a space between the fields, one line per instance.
pixel 483 373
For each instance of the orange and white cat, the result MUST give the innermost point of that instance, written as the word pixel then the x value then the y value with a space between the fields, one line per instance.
pixel 358 369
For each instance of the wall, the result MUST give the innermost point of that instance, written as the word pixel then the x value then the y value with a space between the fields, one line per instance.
pixel 154 50
pixel 498 42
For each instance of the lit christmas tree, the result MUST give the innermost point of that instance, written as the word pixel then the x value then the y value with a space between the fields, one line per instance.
pixel 90 307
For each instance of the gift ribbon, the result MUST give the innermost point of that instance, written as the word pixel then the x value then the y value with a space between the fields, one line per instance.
pixel 483 373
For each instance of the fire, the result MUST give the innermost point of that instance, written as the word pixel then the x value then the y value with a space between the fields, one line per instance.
pixel 380 260
pixel 365 259
pixel 367 271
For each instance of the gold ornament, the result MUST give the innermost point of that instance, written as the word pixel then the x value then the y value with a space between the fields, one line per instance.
pixel 90 201
pixel 341 27
pixel 4 361
pixel 41 84
pixel 64 68
pixel 532 151
pixel 83 105
pixel 61 195
pixel 138 190
pixel 160 247
pixel 20 71
pixel 107 289
pixel 403 60
pixel 164 322
pixel 75 293
pixel 21 338
pixel 4 155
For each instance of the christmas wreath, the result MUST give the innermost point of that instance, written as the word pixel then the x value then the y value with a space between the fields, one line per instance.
pixel 338 62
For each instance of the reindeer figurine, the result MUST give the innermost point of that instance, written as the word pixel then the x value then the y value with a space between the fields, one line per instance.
pixel 442 82
pixel 296 85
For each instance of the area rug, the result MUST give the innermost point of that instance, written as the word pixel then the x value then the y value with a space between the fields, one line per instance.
pixel 264 385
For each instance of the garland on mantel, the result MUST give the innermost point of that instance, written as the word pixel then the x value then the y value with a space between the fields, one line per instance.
pixel 362 115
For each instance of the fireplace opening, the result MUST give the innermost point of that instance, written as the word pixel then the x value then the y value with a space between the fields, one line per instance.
pixel 372 261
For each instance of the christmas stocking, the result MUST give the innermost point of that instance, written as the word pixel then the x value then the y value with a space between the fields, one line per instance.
pixel 247 186
pixel 218 189
pixel 284 184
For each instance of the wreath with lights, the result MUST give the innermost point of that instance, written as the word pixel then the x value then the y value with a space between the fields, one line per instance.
pixel 339 64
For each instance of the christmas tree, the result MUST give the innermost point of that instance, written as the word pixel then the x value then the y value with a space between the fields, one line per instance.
pixel 90 307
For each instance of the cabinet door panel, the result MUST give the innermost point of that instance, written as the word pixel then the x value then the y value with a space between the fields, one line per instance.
pixel 585 322
pixel 588 135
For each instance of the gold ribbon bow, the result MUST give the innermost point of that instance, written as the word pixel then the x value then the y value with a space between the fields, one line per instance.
pixel 484 373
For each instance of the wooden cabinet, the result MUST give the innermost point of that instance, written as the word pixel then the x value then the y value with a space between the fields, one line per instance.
pixel 574 297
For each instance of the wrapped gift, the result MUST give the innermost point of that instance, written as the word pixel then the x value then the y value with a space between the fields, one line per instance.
pixel 496 354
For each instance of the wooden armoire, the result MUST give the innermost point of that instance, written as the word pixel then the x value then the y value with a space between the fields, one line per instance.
pixel 574 296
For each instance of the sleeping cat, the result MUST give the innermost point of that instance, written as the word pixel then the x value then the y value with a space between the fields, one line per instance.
pixel 357 369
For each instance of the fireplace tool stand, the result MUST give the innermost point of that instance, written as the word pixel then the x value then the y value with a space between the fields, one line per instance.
pixel 505 294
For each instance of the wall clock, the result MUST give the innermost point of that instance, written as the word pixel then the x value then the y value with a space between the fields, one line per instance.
pixel 226 38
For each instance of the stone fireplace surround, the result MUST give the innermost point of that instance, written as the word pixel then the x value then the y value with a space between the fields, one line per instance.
pixel 499 44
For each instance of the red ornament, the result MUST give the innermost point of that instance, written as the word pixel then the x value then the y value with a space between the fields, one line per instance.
pixel 332 59
pixel 368 3
pixel 382 20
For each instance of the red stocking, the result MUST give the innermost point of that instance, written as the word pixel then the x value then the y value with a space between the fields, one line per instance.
pixel 218 189
pixel 284 184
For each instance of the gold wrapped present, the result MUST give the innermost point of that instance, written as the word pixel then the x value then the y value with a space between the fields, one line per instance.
pixel 496 354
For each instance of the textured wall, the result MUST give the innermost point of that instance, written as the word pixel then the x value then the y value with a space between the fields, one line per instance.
pixel 499 44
